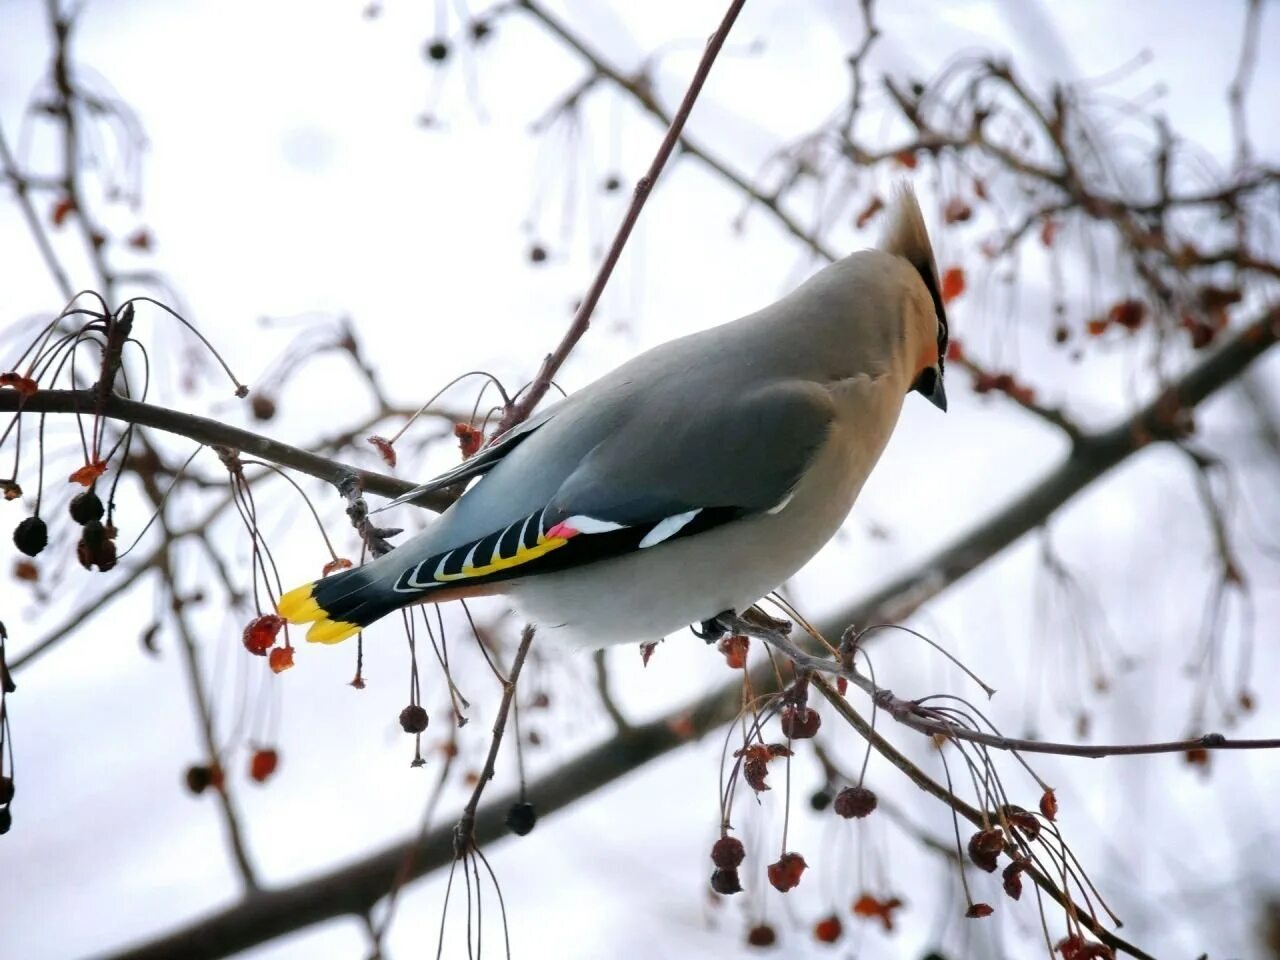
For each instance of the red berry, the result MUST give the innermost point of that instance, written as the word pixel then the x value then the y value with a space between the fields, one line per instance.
pixel 785 874
pixel 800 723
pixel 735 651
pixel 761 935
pixel 1049 805
pixel 855 802
pixel 728 853
pixel 828 930
pixel 263 764
pixel 260 634
pixel 977 911
pixel 985 847
pixel 281 659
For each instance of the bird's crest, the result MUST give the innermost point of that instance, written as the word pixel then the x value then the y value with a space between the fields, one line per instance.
pixel 906 236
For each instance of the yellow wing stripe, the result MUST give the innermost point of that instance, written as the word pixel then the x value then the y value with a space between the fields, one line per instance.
pixel 522 555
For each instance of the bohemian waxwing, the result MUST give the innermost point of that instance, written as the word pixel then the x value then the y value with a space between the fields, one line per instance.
pixel 688 482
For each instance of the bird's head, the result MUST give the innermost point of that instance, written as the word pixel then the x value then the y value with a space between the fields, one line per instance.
pixel 905 236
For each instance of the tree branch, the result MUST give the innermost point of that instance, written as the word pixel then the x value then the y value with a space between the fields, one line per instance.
pixel 639 88
pixel 520 410
pixel 213 432
pixel 352 889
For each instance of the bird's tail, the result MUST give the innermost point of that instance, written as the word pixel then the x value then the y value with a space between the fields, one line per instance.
pixel 342 604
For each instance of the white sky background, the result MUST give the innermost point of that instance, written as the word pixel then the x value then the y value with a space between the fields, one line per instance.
pixel 287 175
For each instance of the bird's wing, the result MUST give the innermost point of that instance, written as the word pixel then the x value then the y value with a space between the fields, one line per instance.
pixel 476 465
pixel 664 472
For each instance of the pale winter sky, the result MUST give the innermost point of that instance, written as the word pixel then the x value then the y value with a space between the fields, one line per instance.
pixel 288 175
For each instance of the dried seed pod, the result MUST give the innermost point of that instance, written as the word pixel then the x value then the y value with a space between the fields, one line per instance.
pixel 800 723
pixel 726 882
pixel 414 719
pixel 855 802
pixel 521 818
pixel 31 536
pixel 728 853
pixel 85 507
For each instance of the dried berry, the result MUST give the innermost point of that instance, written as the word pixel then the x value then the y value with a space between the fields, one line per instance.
pixel 612 183
pixel 95 547
pixel 470 440
pixel 977 911
pixel 260 635
pixel 874 206
pixel 1049 805
pixel 12 490
pixel 263 764
pixel 521 819
pixel 820 800
pixel 855 802
pixel 956 211
pixel 537 253
pixel 800 723
pixel 385 450
pixel 480 29
pixel 1128 314
pixel 31 536
pixel 761 935
pixel 1024 820
pixel 85 507
pixel 727 853
pixel 735 650
pixel 1076 947
pixel 785 873
pixel 875 908
pixel 88 473
pixel 756 771
pixel 726 882
pixel 334 565
pixel 1012 878
pixel 6 791
pixel 828 929
pixel 280 659
pixel 985 847
pixel 413 719
pixel 438 50
pixel 199 778
pixel 262 407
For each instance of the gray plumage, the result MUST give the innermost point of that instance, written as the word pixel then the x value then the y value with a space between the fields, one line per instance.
pixel 777 417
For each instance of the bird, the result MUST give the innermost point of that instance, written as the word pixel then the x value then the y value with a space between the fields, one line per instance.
pixel 689 482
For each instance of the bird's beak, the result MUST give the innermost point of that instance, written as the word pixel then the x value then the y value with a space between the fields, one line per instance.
pixel 929 383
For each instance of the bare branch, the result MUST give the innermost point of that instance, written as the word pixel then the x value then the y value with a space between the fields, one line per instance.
pixel 354 888
pixel 215 433
pixel 520 410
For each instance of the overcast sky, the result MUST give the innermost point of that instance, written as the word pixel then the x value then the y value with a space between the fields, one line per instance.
pixel 290 173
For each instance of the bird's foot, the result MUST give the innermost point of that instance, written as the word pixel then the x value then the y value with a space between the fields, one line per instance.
pixel 709 631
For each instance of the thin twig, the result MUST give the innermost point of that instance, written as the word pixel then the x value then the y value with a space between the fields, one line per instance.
pixel 519 411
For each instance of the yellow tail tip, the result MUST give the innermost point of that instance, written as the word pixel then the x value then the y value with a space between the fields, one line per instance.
pixel 331 631
pixel 299 606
